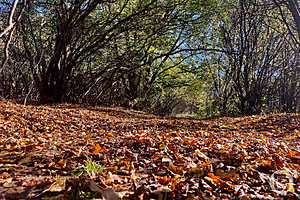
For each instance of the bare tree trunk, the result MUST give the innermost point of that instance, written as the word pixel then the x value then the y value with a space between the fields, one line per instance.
pixel 293 6
pixel 10 29
pixel 10 21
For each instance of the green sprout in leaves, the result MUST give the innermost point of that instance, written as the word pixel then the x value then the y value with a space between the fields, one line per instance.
pixel 90 168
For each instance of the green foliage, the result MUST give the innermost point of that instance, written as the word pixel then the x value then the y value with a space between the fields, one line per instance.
pixel 155 55
pixel 91 168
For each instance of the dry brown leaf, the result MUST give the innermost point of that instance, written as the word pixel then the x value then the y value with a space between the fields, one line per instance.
pixel 58 186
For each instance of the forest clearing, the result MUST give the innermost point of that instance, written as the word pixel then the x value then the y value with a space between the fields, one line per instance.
pixel 65 151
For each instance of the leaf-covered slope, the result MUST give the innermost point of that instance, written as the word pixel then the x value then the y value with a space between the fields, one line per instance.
pixel 144 156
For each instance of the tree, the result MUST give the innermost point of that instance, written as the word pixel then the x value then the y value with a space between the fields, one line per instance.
pixel 255 54
pixel 78 30
pixel 293 27
pixel 294 8
pixel 105 42
pixel 9 30
pixel 133 52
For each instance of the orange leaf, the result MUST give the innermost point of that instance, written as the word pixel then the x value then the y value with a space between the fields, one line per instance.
pixel 112 168
pixel 61 163
pixel 164 180
pixel 175 169
pixel 97 149
pixel 290 187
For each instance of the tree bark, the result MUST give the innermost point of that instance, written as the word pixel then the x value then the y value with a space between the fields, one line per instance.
pixel 9 30
pixel 293 6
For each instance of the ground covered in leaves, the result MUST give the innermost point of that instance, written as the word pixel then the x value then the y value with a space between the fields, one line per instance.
pixel 84 152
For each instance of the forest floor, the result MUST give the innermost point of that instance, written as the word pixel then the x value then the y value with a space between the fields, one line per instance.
pixel 82 152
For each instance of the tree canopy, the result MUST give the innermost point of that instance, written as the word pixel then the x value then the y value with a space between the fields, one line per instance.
pixel 208 57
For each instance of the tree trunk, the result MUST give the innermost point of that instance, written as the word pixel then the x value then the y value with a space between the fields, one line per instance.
pixel 293 6
pixel 52 86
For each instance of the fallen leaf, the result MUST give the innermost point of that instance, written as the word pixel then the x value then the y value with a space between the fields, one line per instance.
pixel 58 186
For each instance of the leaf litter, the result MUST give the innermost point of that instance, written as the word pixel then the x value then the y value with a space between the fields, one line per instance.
pixel 142 156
